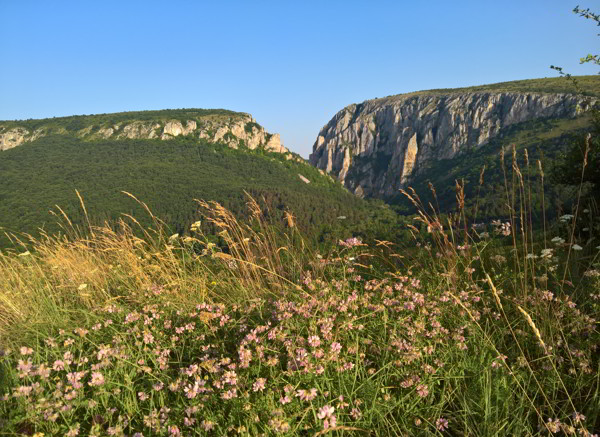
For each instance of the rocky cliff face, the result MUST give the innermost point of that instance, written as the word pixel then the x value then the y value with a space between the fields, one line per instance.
pixel 374 148
pixel 234 130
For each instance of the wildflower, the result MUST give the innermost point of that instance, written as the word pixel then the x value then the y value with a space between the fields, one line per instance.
pixel 285 400
pixel 158 386
pixel 305 395
pixel 174 431
pixel 259 384
pixel 26 350
pixel 73 431
pixel 24 390
pixel 336 347
pixel 351 242
pixel 143 396
pixel 97 379
pixel 553 426
pixel 577 247
pixel 325 411
pixel 441 424
pixel 279 425
pixel 578 417
pixel 314 341
pixel 229 394
pixel 43 371
pixel 207 425
pixel 422 390
pixel 558 240
pixel 148 338
pixel 566 217
pixel 24 368
pixel 546 253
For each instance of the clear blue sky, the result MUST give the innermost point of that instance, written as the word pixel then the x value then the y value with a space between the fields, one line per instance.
pixel 292 65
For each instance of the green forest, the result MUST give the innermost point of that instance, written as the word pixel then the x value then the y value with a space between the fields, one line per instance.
pixel 168 176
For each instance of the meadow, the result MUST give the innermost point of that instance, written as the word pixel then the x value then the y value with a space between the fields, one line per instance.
pixel 465 329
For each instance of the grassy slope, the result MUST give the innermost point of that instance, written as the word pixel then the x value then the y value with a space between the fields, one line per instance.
pixel 113 336
pixel 589 85
pixel 77 122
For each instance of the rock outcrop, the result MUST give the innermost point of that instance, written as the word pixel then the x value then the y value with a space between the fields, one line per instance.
pixel 233 130
pixel 373 148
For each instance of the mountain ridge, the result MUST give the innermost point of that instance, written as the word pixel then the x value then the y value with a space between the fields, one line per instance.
pixel 234 129
pixel 375 147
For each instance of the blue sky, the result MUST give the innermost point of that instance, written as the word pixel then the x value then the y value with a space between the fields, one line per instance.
pixel 292 65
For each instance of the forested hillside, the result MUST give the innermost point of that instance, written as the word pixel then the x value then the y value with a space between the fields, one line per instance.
pixel 168 176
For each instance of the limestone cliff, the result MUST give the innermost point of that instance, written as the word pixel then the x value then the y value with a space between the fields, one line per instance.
pixel 374 148
pixel 232 129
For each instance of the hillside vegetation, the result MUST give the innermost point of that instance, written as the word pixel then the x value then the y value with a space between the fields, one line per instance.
pixel 589 86
pixel 452 333
pixel 44 175
pixel 75 123
pixel 539 145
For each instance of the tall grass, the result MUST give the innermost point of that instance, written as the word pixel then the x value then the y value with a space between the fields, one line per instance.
pixel 467 330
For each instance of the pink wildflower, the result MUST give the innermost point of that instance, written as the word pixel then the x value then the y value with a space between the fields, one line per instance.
pixel 326 411
pixel 314 341
pixel 26 350
pixel 97 379
pixel 422 390
pixel 259 385
pixel 441 424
